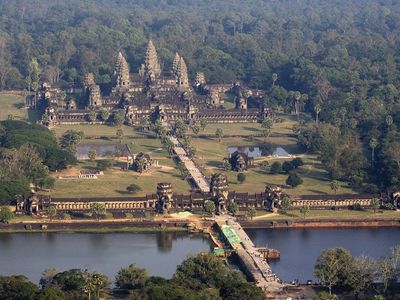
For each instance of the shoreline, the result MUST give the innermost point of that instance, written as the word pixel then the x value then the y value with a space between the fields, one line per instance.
pixel 118 226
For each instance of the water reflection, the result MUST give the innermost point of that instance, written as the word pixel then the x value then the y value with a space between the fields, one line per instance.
pixel 265 150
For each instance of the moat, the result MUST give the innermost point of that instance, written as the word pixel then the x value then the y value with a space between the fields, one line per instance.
pixel 160 253
pixel 30 253
pixel 299 248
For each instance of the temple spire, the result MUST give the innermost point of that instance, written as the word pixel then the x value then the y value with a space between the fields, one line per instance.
pixel 152 64
pixel 182 75
pixel 121 72
pixel 175 64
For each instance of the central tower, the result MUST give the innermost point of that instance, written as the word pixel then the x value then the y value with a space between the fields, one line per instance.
pixel 152 64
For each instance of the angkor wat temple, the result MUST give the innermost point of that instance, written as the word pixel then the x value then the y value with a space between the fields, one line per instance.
pixel 150 94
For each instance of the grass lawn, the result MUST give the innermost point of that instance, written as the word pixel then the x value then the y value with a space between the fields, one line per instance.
pixel 114 182
pixel 100 130
pixel 9 105
pixel 210 154
pixel 315 180
pixel 284 127
pixel 342 214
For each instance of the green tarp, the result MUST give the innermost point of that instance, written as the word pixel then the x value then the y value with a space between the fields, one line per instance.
pixel 230 235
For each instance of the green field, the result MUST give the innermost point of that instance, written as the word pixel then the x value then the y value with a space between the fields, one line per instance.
pixel 98 131
pixel 114 182
pixel 211 152
pixel 248 129
pixel 10 105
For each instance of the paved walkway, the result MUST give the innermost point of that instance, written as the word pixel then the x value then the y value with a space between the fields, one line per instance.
pixel 194 172
pixel 255 261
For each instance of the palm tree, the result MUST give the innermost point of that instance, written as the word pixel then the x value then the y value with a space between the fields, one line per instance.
pixel 389 121
pixel 219 134
pixel 317 109
pixel 274 79
pixel 335 185
pixel 373 143
pixel 97 209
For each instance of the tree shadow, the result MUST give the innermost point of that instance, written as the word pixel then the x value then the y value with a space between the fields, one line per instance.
pixel 251 129
pixel 124 192
pixel 318 192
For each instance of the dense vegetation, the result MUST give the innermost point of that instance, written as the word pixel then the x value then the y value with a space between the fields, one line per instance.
pixel 198 277
pixel 341 57
pixel 358 277
pixel 27 154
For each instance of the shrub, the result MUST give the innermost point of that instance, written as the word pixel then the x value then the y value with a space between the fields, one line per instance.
pixel 103 165
pixel 297 162
pixel 294 179
pixel 276 167
pixel 241 177
pixel 287 166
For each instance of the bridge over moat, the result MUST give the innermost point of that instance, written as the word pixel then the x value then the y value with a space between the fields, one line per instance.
pixel 250 257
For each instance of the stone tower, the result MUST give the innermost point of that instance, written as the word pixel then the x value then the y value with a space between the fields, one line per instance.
pixel 94 96
pixel 175 64
pixel 121 72
pixel 88 80
pixel 200 79
pixel 219 190
pixel 182 78
pixel 152 65
pixel 164 197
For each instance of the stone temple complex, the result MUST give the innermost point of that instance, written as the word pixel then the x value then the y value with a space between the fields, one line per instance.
pixel 149 94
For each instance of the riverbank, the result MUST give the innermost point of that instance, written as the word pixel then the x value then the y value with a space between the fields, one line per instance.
pixel 333 223
pixel 101 226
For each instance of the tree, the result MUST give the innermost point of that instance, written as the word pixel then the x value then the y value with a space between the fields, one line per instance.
pixel 104 164
pixel 105 114
pixel 92 116
pixel 209 207
pixel 17 287
pixel 274 79
pixel 119 117
pixel 375 204
pixel 226 164
pixel 180 128
pixel 297 162
pixel 287 166
pixel 92 154
pixel 131 277
pixel 70 139
pixel 241 177
pixel 34 77
pixel 363 275
pixel 94 283
pixel 203 124
pixel 47 277
pixel 285 204
pixel 294 179
pixel 143 121
pixel 388 268
pixel 51 293
pixel 196 129
pixel 120 134
pixel 219 133
pixel 276 167
pixel 317 109
pixel 97 210
pixel 333 267
pixel 373 143
pixel 389 121
pixel 133 188
pixel 6 214
pixel 52 212
pixel 266 125
pixel 251 212
pixel 334 185
pixel 325 296
pixel 304 209
pixel 233 208
pixel 182 169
